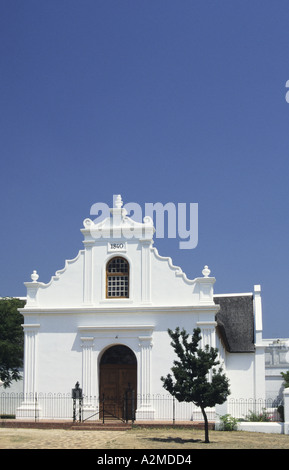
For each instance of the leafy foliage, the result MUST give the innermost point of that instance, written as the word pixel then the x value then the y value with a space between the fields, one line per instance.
pixel 11 340
pixel 264 416
pixel 195 377
pixel 228 423
pixel 285 376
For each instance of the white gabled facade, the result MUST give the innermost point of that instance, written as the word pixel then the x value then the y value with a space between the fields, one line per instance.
pixel 71 322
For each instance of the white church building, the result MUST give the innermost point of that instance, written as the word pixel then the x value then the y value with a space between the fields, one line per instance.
pixel 102 321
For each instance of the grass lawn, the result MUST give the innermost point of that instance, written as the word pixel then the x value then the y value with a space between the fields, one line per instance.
pixel 174 438
pixel 138 438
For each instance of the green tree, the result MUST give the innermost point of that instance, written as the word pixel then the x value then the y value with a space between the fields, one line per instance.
pixel 195 377
pixel 285 376
pixel 11 340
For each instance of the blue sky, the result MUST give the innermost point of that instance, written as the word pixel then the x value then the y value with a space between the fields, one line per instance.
pixel 160 101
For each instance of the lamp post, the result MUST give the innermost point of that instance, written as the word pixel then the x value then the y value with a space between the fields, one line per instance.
pixel 77 395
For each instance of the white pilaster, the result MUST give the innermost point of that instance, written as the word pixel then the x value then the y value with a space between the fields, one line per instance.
pixel 259 363
pixel 206 287
pixel 145 271
pixel 258 314
pixel 87 345
pixel 286 410
pixel 87 275
pixel 89 402
pixel 208 333
pixel 30 345
pixel 32 290
pixel 145 410
pixel 29 407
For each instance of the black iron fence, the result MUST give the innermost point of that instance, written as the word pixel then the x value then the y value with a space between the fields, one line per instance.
pixel 36 405
pixel 62 406
pixel 249 409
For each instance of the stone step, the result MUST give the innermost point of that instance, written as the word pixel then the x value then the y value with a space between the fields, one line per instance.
pixel 111 426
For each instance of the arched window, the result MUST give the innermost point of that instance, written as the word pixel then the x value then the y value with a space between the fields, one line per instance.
pixel 117 278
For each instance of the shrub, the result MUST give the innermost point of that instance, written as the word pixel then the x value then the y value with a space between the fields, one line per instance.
pixel 228 423
pixel 263 416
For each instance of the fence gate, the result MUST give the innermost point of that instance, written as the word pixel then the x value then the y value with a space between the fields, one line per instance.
pixel 120 407
pixel 129 405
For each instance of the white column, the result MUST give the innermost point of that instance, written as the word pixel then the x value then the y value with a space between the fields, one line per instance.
pixel 29 407
pixel 145 410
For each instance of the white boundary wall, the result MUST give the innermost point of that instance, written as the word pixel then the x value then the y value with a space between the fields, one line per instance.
pixel 267 427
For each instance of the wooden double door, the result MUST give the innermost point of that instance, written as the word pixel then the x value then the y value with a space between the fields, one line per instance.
pixel 118 383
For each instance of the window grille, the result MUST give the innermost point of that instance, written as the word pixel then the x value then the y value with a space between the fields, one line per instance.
pixel 117 275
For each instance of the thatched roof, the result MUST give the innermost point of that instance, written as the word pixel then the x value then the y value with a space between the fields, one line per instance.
pixel 235 322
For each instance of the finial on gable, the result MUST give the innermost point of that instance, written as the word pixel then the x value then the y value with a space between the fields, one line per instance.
pixel 206 271
pixel 34 276
pixel 118 202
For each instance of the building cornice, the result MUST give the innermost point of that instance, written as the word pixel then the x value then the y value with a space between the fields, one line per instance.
pixel 212 308
pixel 123 328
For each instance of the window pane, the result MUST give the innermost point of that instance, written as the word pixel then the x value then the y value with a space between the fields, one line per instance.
pixel 117 278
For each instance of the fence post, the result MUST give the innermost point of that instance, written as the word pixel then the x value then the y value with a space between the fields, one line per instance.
pixel 132 407
pixel 286 410
pixel 35 401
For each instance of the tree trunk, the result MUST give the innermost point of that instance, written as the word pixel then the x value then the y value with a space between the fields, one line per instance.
pixel 206 425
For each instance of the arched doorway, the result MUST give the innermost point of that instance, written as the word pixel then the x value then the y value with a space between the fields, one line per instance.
pixel 118 382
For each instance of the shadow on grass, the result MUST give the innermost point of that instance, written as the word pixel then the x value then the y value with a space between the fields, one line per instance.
pixel 177 440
